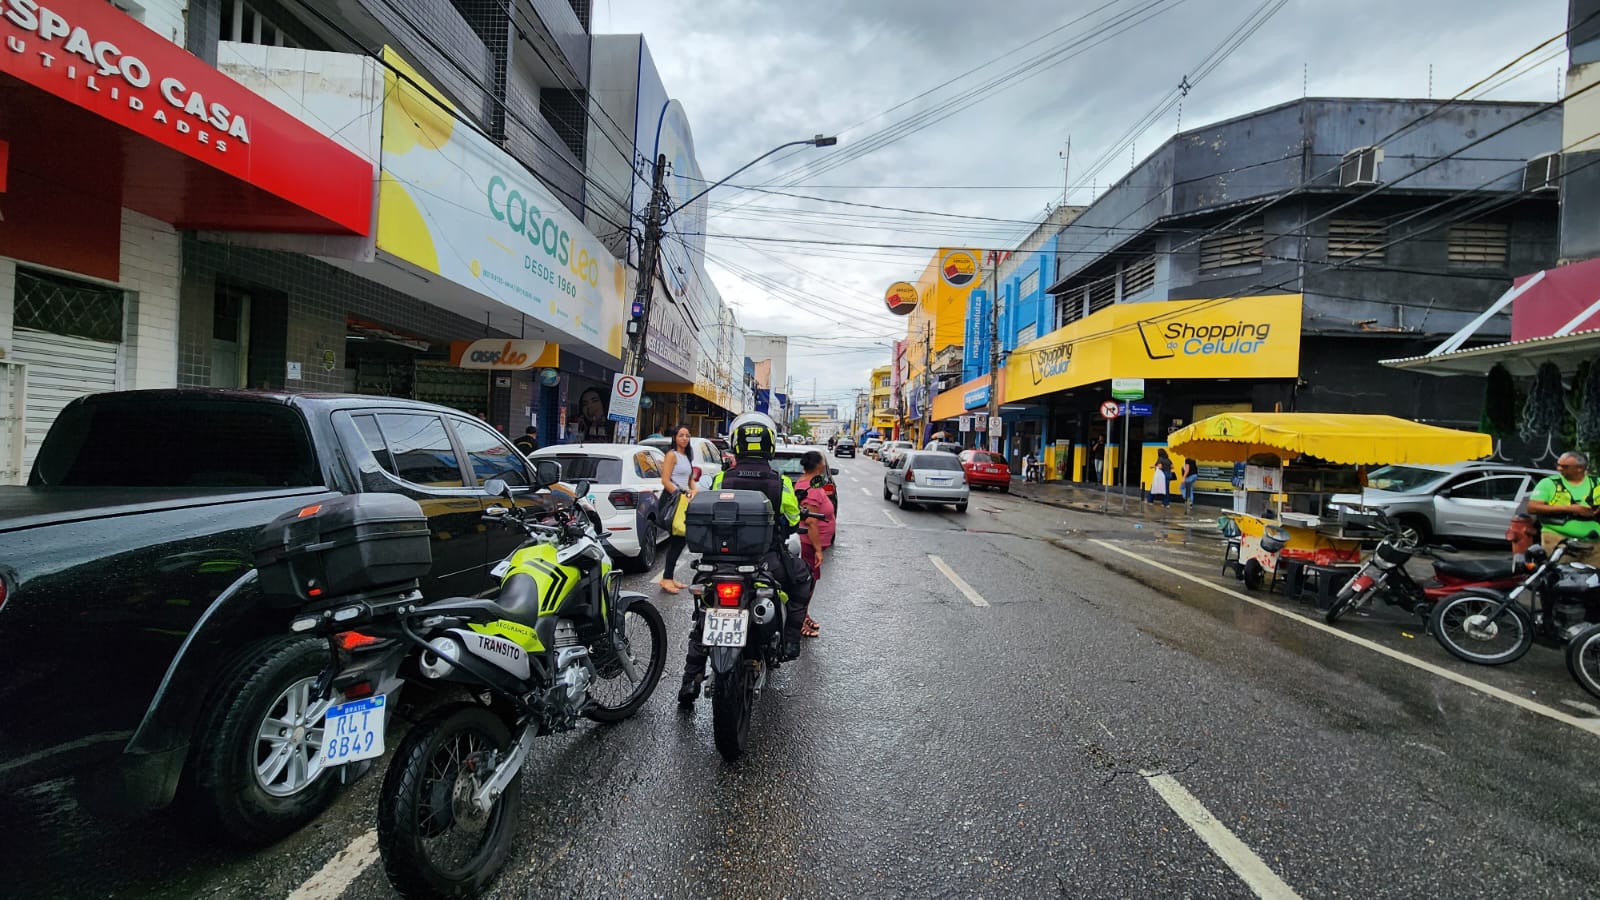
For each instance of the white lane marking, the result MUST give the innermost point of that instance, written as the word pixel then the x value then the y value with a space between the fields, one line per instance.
pixel 1590 725
pixel 1261 880
pixel 892 520
pixel 339 872
pixel 867 491
pixel 958 581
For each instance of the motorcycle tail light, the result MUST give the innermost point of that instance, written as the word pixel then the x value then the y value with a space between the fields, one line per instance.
pixel 623 499
pixel 729 593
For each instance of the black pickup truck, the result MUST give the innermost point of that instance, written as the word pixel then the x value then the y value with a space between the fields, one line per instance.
pixel 137 654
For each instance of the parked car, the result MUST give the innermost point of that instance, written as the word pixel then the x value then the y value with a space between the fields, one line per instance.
pixel 624 487
pixel 708 458
pixel 985 469
pixel 136 535
pixel 845 447
pixel 871 447
pixel 1467 500
pixel 893 449
pixel 944 447
pixel 926 476
pixel 787 461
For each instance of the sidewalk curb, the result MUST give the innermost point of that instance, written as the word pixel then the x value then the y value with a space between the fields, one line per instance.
pixel 1095 510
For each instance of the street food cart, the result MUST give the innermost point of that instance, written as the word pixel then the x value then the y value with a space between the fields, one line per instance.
pixel 1319 453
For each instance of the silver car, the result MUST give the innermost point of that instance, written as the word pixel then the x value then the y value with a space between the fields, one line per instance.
pixel 893 449
pixel 1467 500
pixel 926 476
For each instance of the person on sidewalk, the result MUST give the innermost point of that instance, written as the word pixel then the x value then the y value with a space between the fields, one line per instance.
pixel 529 441
pixel 1191 474
pixel 1160 477
pixel 816 536
pixel 1097 459
pixel 1566 503
pixel 677 482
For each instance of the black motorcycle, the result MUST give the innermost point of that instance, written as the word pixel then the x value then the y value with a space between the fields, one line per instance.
pixel 743 604
pixel 1383 575
pixel 1491 628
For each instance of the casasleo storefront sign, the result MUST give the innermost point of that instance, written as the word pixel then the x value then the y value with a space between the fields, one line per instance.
pixel 81 56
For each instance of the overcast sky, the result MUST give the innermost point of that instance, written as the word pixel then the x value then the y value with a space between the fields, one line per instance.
pixel 755 73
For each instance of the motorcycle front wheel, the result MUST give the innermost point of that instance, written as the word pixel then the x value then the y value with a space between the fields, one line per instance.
pixel 642 635
pixel 731 705
pixel 1583 659
pixel 435 842
pixel 1343 603
pixel 1462 625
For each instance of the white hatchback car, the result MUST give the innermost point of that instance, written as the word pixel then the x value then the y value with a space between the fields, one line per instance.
pixel 624 487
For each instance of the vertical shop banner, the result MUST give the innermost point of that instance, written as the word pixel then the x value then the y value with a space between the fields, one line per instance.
pixel 456 205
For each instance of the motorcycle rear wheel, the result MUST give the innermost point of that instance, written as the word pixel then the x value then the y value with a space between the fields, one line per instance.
pixel 424 803
pixel 1456 623
pixel 1583 659
pixel 731 705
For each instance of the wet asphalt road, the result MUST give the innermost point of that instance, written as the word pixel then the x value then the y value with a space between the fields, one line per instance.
pixel 927 746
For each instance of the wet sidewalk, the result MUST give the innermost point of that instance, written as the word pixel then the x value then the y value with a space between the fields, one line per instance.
pixel 1199 521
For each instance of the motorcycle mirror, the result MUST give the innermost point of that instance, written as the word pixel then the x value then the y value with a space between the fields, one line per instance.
pixel 580 490
pixel 546 472
pixel 496 487
pixel 832 471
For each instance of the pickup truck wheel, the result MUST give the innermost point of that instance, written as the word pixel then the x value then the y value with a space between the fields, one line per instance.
pixel 257 775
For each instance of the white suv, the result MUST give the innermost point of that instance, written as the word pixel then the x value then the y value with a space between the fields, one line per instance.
pixel 707 458
pixel 624 487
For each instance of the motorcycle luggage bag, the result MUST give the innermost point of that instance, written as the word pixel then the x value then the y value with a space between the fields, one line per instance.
pixel 348 545
pixel 729 523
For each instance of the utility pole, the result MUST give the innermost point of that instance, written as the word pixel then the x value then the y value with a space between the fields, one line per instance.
pixel 927 382
pixel 994 348
pixel 654 222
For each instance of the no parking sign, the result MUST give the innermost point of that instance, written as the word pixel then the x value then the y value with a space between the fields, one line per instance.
pixel 625 390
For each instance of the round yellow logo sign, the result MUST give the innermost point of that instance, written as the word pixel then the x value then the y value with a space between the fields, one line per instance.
pixel 901 298
pixel 959 268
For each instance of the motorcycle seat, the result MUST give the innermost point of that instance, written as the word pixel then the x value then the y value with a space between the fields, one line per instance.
pixel 1473 569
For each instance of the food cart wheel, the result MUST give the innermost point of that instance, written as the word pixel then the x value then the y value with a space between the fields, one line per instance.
pixel 1252 574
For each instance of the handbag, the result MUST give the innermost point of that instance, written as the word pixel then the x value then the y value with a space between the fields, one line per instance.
pixel 664 510
pixel 679 516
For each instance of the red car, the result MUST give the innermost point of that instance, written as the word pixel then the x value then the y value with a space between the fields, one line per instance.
pixel 985 469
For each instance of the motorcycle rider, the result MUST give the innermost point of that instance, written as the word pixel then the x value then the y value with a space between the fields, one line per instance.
pixel 753 436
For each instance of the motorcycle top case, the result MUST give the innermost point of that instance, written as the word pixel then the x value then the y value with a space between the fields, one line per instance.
pixel 348 545
pixel 728 523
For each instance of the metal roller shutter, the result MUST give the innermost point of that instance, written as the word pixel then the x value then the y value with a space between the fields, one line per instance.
pixel 60 368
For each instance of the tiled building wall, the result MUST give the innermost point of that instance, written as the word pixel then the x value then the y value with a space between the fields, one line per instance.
pixel 317 298
pixel 150 272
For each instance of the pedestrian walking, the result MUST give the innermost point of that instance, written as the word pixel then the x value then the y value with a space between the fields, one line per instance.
pixel 678 487
pixel 1191 474
pixel 816 536
pixel 1160 478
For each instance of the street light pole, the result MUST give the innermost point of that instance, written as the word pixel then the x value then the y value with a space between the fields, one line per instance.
pixel 655 222
pixel 994 348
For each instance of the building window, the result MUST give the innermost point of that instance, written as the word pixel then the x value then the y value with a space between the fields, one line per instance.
pixel 1139 277
pixel 60 305
pixel 242 24
pixel 1030 285
pixel 1102 293
pixel 1360 241
pixel 1244 246
pixel 1479 245
pixel 1069 308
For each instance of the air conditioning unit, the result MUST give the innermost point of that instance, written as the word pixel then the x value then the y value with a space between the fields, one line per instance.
pixel 1359 167
pixel 1542 174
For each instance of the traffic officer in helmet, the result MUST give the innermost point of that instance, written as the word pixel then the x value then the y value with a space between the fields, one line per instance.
pixel 753 436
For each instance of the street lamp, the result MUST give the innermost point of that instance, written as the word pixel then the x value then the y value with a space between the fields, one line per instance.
pixel 655 225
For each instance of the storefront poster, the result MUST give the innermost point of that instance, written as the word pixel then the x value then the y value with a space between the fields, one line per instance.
pixel 588 415
pixel 454 204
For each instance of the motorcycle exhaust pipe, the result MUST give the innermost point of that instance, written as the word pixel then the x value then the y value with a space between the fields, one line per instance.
pixel 436 662
pixel 765 611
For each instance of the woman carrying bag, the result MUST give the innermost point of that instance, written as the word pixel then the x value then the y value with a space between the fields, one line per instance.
pixel 677 477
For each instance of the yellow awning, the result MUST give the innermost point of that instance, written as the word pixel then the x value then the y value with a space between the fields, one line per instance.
pixel 1336 437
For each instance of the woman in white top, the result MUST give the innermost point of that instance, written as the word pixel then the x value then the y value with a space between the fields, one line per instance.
pixel 1160 477
pixel 677 477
